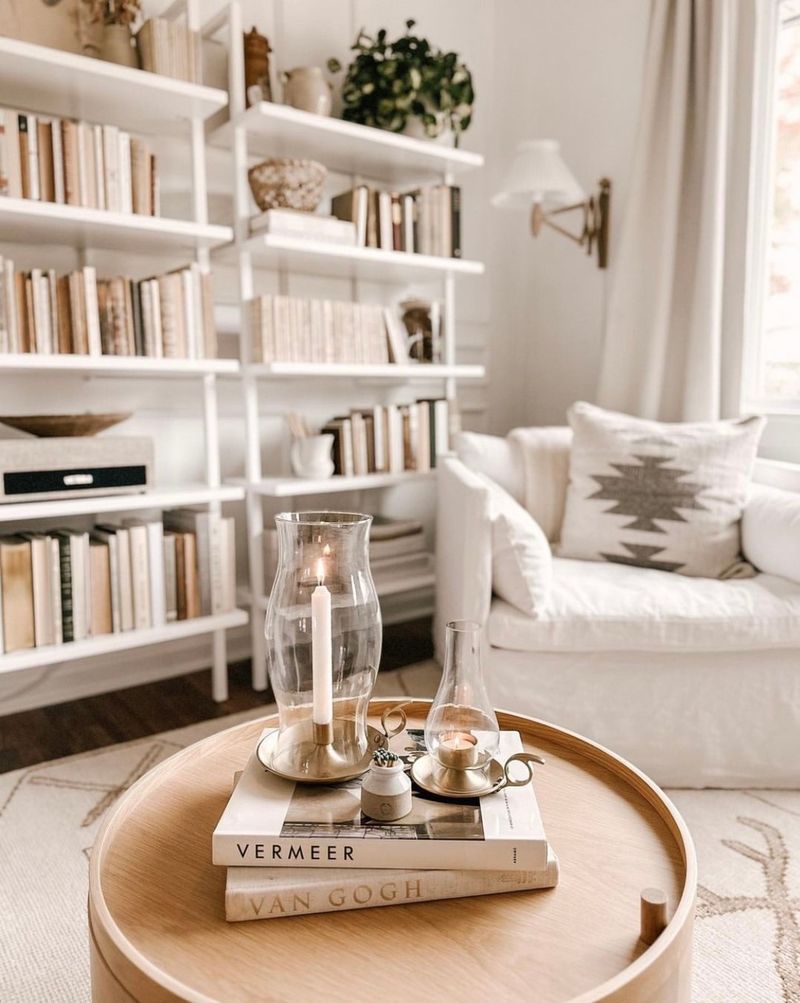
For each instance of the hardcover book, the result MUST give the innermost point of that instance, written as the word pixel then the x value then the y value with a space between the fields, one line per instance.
pixel 271 822
pixel 264 893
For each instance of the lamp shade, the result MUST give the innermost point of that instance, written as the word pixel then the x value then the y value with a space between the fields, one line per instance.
pixel 538 174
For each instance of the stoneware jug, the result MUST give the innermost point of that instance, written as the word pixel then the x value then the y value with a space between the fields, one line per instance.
pixel 386 792
pixel 307 89
pixel 311 456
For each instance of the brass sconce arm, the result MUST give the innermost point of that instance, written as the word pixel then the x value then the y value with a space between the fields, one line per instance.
pixel 596 210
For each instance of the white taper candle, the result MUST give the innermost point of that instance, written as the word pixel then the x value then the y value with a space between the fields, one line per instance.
pixel 321 654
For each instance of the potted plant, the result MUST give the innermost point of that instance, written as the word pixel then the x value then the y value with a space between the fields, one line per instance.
pixel 406 85
pixel 118 18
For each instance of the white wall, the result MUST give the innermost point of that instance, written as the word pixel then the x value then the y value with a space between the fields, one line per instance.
pixel 570 72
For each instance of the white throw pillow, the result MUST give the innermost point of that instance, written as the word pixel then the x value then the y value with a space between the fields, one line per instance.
pixel 522 563
pixel 655 495
pixel 771 531
pixel 494 457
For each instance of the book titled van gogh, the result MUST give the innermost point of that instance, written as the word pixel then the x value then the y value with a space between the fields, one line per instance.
pixel 270 822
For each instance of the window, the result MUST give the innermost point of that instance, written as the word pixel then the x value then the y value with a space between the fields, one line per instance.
pixel 776 375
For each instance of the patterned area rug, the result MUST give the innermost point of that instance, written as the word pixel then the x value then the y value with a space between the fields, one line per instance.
pixel 748 842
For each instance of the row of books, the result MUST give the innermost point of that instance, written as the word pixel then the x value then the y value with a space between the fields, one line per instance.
pixel 69 585
pixel 396 551
pixel 76 163
pixel 292 329
pixel 294 849
pixel 424 221
pixel 390 438
pixel 167 316
pixel 169 47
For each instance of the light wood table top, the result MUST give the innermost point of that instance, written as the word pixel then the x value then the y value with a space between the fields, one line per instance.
pixel 156 902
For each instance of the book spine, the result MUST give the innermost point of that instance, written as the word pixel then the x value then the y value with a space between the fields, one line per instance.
pixel 65 568
pixel 140 577
pixel 33 157
pixel 455 221
pixel 155 553
pixel 250 894
pixel 16 573
pixel 59 192
pixel 242 850
pixel 55 589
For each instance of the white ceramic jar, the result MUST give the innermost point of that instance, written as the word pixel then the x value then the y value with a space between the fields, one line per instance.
pixel 386 792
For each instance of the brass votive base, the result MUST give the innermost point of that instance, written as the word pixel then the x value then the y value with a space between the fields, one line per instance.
pixel 295 754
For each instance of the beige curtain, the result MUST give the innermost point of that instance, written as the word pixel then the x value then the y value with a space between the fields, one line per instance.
pixel 676 307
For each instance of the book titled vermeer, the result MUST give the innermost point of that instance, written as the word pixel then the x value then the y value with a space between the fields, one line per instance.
pixel 270 822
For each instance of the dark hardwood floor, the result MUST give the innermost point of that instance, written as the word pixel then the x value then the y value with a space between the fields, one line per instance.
pixel 63 729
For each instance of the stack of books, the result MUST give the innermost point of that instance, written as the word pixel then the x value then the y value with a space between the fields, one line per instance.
pixel 168 316
pixel 305 225
pixel 170 48
pixel 295 849
pixel 423 221
pixel 69 585
pixel 292 329
pixel 397 551
pixel 76 163
pixel 390 438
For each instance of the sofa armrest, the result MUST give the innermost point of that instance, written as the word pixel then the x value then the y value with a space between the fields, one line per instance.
pixel 771 531
pixel 463 548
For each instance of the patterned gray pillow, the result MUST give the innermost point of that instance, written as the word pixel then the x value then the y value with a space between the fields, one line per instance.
pixel 655 495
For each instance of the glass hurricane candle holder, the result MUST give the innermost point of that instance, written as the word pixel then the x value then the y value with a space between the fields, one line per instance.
pixel 323 632
pixel 461 731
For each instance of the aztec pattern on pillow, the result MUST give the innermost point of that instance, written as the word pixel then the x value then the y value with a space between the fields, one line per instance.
pixel 655 495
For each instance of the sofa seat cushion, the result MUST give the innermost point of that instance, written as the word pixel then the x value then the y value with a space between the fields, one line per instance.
pixel 613 607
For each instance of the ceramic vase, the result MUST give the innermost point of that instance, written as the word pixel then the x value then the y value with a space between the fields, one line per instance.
pixel 117 46
pixel 306 88
pixel 386 792
pixel 311 457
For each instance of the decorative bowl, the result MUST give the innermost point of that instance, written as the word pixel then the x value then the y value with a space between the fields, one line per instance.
pixel 283 183
pixel 48 426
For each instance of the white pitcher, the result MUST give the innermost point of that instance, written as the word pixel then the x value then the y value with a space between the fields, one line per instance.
pixel 311 456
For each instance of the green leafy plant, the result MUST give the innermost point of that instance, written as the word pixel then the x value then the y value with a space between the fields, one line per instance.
pixel 388 83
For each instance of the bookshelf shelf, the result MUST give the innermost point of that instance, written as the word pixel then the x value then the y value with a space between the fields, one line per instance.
pixel 116 365
pixel 314 257
pixel 390 372
pixel 295 487
pixel 395 586
pixel 275 130
pixel 27 221
pixel 40 79
pixel 158 498
pixel 109 643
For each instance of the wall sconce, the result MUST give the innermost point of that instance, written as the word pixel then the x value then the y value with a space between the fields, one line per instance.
pixel 539 180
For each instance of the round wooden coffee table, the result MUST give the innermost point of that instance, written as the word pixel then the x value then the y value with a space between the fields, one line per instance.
pixel 159 934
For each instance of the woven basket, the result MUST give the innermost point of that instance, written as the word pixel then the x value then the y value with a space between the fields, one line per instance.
pixel 283 183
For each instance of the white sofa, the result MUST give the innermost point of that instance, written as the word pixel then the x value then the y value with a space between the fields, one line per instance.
pixel 696 681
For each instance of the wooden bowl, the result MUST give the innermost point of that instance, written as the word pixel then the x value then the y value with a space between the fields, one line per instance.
pixel 48 426
pixel 283 183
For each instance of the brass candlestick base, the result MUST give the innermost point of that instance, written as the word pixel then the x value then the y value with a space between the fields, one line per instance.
pixel 457 784
pixel 322 733
pixel 296 754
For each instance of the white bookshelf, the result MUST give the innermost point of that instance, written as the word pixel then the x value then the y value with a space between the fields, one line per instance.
pixel 390 373
pixel 157 498
pixel 47 81
pixel 39 79
pixel 108 644
pixel 297 487
pixel 316 257
pixel 25 221
pixel 275 130
pixel 116 365
pixel 268 129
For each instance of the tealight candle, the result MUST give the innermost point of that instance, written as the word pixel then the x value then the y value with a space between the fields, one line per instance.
pixel 458 750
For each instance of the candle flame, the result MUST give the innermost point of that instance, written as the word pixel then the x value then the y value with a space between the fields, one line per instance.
pixel 320 571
